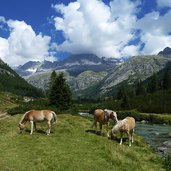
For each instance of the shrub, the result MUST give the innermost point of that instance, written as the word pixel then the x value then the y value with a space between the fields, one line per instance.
pixel 167 162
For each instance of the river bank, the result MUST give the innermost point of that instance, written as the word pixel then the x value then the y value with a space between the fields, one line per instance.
pixel 158 136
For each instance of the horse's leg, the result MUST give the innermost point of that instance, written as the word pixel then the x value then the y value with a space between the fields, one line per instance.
pixel 129 138
pixel 31 126
pixel 95 125
pixel 107 129
pixel 132 132
pixel 35 126
pixel 100 125
pixel 121 138
pixel 49 127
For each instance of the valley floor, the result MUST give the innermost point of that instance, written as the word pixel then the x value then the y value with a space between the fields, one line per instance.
pixel 71 147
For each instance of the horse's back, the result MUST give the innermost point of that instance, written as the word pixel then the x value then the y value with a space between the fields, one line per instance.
pixel 130 122
pixel 98 115
pixel 40 115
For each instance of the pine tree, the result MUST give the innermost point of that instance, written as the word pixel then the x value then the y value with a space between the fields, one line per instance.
pixel 166 80
pixel 52 79
pixel 121 93
pixel 140 88
pixel 125 102
pixel 60 93
pixel 153 85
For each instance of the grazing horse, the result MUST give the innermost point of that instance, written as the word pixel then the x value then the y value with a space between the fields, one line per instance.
pixel 126 125
pixel 103 116
pixel 34 116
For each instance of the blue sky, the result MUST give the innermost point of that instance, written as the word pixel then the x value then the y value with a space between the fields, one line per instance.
pixel 53 29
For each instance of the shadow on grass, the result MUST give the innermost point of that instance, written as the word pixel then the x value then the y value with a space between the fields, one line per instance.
pixel 38 131
pixel 124 139
pixel 96 133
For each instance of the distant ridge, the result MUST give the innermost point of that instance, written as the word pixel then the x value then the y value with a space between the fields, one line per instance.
pixel 74 64
pixel 10 81
pixel 165 52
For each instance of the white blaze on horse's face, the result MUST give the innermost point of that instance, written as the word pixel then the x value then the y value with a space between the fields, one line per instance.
pixel 113 116
pixel 21 127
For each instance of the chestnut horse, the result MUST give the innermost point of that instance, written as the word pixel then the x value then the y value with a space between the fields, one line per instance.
pixel 34 116
pixel 126 125
pixel 103 116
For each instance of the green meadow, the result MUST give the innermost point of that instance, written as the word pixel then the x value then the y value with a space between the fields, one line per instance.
pixel 72 146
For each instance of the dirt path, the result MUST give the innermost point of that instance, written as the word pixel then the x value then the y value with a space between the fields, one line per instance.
pixel 3 115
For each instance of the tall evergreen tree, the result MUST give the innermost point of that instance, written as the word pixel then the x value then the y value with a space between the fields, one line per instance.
pixel 52 79
pixel 121 93
pixel 60 93
pixel 166 80
pixel 153 84
pixel 140 88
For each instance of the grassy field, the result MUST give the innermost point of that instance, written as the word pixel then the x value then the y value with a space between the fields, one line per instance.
pixel 6 101
pixel 70 147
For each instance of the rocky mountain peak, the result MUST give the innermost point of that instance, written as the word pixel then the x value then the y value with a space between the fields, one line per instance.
pixel 166 51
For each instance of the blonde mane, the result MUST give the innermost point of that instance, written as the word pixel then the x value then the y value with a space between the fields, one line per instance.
pixel 118 125
pixel 23 117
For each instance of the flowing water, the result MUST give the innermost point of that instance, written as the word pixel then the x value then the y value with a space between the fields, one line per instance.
pixel 155 135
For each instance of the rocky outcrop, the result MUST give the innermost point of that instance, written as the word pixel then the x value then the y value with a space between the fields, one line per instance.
pixel 79 83
pixel 165 52
pixel 140 67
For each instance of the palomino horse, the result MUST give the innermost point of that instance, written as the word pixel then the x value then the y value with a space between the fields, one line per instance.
pixel 126 125
pixel 103 116
pixel 34 116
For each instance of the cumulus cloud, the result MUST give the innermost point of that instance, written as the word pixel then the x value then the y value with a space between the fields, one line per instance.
pixel 23 44
pixel 164 3
pixel 2 19
pixel 91 26
pixel 155 32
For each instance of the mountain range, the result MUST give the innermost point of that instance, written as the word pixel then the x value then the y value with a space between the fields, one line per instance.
pixel 90 76
pixel 75 64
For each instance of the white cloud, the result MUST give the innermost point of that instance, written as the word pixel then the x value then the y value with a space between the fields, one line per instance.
pixel 23 44
pixel 91 26
pixel 155 32
pixel 2 19
pixel 164 3
pixel 155 43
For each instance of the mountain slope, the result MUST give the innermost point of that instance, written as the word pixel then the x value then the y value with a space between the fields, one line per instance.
pixel 136 68
pixel 140 67
pixel 11 82
pixel 165 52
pixel 77 84
pixel 75 64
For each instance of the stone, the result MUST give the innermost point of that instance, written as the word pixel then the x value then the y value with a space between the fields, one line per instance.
pixel 167 143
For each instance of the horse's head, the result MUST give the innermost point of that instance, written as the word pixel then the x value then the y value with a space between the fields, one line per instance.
pixel 113 116
pixel 21 127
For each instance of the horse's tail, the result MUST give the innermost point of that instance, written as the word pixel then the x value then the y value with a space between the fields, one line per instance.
pixel 54 117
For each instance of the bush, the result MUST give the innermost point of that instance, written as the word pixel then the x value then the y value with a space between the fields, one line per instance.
pixel 167 162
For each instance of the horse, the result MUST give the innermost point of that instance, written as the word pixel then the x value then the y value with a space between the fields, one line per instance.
pixel 126 125
pixel 103 116
pixel 34 116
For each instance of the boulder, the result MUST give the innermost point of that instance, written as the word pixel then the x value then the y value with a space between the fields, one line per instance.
pixel 144 121
pixel 162 150
pixel 167 143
